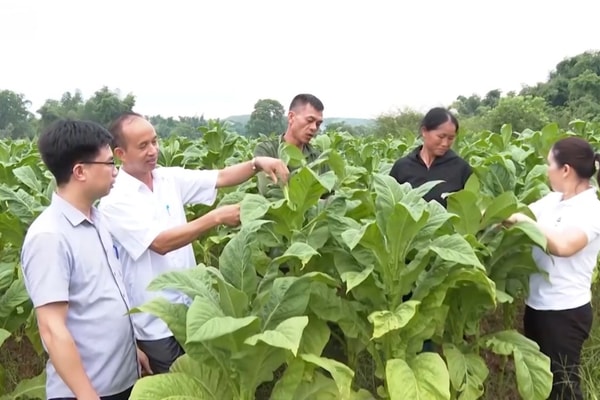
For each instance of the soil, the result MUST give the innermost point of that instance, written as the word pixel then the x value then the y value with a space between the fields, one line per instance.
pixel 20 361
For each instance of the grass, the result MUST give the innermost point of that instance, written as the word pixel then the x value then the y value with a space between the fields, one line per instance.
pixel 590 357
pixel 21 361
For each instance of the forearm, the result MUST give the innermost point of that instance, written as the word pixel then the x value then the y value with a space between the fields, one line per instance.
pixel 67 362
pixel 183 235
pixel 235 174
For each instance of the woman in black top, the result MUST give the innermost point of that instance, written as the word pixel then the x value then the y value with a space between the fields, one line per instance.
pixel 434 159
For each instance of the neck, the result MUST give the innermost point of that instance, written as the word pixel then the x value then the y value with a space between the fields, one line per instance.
pixel 144 177
pixel 77 200
pixel 575 188
pixel 426 156
pixel 289 138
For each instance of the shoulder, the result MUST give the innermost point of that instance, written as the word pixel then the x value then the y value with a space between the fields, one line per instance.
pixel 49 221
pixel 46 231
pixel 268 148
pixel 406 159
pixel 458 159
pixel 168 172
pixel 549 200
pixel 590 208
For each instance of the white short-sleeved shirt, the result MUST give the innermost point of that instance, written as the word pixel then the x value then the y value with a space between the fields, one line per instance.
pixel 136 216
pixel 568 284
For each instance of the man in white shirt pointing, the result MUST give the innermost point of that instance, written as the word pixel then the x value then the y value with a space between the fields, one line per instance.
pixel 146 216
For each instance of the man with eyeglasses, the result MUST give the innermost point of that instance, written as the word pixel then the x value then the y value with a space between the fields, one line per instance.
pixel 146 216
pixel 72 274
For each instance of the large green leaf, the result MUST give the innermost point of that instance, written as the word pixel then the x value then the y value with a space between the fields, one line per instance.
pixel 456 249
pixel 253 207
pixel 468 372
pixel 32 388
pixel 306 188
pixel 298 250
pixel 342 375
pixel 174 315
pixel 388 321
pixel 464 204
pixel 500 209
pixel 426 377
pixel 287 298
pixel 215 382
pixel 14 296
pixel 236 263
pixel 286 335
pixel 4 334
pixel 29 178
pixel 192 282
pixel 534 377
pixel 171 386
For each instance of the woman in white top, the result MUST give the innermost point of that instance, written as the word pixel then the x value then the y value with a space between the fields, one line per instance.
pixel 558 313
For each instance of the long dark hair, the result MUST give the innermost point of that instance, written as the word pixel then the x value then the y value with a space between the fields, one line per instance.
pixel 577 153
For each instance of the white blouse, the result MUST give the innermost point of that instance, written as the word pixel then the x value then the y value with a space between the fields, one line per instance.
pixel 568 284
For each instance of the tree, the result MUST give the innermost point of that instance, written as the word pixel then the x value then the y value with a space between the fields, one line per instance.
pixel 400 123
pixel 106 105
pixel 267 118
pixel 354 130
pixel 467 106
pixel 492 98
pixel 521 112
pixel 573 88
pixel 69 106
pixel 15 118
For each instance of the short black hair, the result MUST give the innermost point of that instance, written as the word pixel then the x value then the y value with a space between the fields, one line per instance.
pixel 66 142
pixel 436 117
pixel 304 98
pixel 116 127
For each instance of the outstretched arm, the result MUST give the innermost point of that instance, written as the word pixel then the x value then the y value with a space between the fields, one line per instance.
pixel 239 173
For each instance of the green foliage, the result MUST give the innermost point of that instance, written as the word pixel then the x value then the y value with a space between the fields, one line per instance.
pixel 15 118
pixel 405 122
pixel 102 107
pixel 521 112
pixel 266 119
pixel 266 294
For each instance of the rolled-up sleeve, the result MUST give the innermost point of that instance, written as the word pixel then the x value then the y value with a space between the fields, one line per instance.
pixel 46 268
pixel 196 186
pixel 589 223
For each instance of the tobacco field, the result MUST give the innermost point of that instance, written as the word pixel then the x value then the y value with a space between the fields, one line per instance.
pixel 304 299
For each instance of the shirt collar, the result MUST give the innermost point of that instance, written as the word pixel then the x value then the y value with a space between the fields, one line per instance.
pixel 587 194
pixel 129 181
pixel 73 215
pixel 307 148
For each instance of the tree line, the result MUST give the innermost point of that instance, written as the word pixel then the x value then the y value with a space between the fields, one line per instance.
pixel 572 91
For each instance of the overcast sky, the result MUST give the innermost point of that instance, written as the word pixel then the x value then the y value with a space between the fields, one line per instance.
pixel 217 57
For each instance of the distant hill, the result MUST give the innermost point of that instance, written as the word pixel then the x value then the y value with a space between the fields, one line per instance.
pixel 243 119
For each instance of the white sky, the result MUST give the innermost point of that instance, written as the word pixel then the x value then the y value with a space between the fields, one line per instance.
pixel 218 57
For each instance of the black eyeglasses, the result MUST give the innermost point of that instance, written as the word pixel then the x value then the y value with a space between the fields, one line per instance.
pixel 98 162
